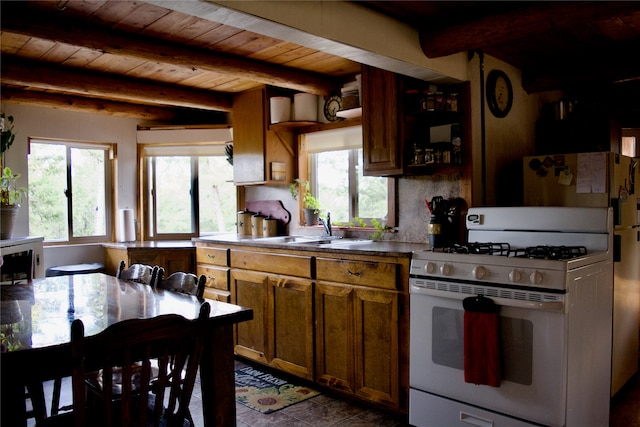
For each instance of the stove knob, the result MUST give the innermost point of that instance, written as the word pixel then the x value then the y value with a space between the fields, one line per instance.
pixel 515 276
pixel 535 278
pixel 446 269
pixel 430 267
pixel 479 272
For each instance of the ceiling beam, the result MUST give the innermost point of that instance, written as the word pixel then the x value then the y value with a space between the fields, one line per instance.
pixel 90 105
pixel 24 72
pixel 446 38
pixel 31 22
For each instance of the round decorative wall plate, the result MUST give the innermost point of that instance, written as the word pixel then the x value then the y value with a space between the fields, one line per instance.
pixel 331 108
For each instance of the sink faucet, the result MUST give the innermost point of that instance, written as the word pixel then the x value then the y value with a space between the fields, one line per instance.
pixel 327 223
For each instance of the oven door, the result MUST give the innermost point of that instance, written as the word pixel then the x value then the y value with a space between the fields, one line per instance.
pixel 534 349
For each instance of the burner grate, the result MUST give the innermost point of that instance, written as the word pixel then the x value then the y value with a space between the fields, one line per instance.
pixel 551 252
pixel 500 249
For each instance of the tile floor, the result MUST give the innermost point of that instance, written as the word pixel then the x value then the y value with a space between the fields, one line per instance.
pixel 328 410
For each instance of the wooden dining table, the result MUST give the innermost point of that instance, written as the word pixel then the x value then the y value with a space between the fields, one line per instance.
pixel 36 321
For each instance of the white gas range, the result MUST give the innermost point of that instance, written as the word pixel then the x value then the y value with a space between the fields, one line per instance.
pixel 550 277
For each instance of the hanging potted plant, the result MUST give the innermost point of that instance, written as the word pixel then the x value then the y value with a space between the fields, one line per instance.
pixel 310 204
pixel 10 194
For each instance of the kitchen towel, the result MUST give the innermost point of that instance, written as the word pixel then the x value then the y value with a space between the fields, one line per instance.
pixel 482 358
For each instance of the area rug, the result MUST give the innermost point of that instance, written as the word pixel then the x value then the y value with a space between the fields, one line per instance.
pixel 265 393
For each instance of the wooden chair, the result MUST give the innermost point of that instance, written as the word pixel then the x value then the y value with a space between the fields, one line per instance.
pixel 185 283
pixel 140 273
pixel 135 345
pixel 18 266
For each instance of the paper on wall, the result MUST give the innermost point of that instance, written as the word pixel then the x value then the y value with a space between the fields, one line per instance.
pixel 592 173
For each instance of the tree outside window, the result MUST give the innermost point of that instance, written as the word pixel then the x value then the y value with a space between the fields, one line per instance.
pixel 69 200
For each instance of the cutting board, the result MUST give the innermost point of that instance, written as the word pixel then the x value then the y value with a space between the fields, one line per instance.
pixel 274 209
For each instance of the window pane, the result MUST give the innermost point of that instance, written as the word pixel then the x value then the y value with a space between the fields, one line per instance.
pixel 372 194
pixel 88 192
pixel 332 180
pixel 47 183
pixel 173 195
pixel 217 195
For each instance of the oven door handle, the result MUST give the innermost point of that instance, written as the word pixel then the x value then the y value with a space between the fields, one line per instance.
pixel 557 306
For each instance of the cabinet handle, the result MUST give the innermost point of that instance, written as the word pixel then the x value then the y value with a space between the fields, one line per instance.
pixel 354 273
pixel 211 256
pixel 475 420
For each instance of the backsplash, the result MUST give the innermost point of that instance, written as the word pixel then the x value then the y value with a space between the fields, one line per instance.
pixel 412 211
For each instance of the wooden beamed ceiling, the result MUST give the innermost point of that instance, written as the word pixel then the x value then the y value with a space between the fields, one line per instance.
pixel 137 59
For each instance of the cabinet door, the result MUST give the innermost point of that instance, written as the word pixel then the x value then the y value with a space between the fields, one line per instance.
pixel 376 345
pixel 381 145
pixel 291 325
pixel 334 336
pixel 249 137
pixel 178 260
pixel 251 289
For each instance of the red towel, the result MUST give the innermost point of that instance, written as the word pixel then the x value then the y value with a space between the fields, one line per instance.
pixel 482 359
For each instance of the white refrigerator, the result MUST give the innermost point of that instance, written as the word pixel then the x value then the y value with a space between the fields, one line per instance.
pixel 601 179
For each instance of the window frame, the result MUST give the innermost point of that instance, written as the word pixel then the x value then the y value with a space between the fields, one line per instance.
pixel 149 219
pixel 306 172
pixel 110 185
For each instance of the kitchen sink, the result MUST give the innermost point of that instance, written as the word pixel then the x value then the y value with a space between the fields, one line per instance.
pixel 300 239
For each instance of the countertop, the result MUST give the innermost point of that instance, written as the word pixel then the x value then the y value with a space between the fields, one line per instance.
pixel 352 246
pixel 161 244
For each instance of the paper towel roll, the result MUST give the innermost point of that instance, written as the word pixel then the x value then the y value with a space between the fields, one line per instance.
pixel 127 225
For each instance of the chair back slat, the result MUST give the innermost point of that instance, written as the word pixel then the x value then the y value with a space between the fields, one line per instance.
pixel 185 283
pixel 139 273
pixel 128 348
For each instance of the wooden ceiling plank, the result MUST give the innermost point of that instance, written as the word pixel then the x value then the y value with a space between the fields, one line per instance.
pixel 178 27
pixel 11 43
pixel 144 48
pixel 31 73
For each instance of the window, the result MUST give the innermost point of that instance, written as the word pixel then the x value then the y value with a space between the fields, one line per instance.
pixel 70 191
pixel 337 179
pixel 188 191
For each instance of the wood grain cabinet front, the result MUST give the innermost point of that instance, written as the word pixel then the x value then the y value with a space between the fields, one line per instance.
pixel 213 262
pixel 357 341
pixel 281 332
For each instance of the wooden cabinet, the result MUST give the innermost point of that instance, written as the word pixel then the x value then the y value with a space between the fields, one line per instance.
pixel 281 332
pixel 382 148
pixel 261 155
pixel 403 135
pixel 357 329
pixel 213 262
pixel 335 318
pixel 177 258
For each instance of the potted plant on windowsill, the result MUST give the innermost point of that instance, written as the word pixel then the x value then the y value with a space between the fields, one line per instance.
pixel 310 204
pixel 10 194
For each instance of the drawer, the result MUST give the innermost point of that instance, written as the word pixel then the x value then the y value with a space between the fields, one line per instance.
pixel 216 295
pixel 214 256
pixel 363 273
pixel 290 265
pixel 217 277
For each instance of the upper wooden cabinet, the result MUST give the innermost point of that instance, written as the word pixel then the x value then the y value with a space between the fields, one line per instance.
pixel 261 155
pixel 381 146
pixel 403 134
